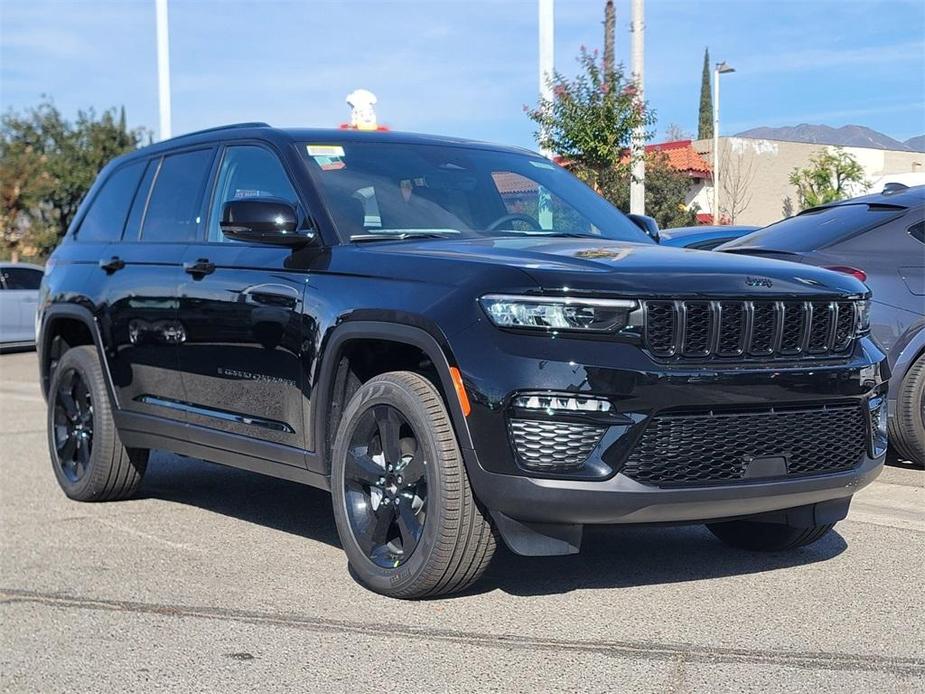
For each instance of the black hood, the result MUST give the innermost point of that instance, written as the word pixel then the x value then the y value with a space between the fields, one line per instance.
pixel 600 265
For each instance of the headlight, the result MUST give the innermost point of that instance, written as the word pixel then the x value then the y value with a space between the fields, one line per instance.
pixel 558 313
pixel 863 326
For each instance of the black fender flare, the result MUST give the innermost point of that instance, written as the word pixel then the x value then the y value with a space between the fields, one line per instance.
pixel 391 332
pixel 57 312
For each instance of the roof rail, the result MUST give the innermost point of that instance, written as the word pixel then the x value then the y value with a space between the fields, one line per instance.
pixel 232 126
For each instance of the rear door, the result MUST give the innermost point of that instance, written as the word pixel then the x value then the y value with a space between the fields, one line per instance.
pixel 241 304
pixel 140 318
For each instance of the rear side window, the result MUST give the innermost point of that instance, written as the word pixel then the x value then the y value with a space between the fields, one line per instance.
pixel 106 217
pixel 21 278
pixel 811 230
pixel 175 204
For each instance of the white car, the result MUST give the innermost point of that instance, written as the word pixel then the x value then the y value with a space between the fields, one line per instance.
pixel 19 297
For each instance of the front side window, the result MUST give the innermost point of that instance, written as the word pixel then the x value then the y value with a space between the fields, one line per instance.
pixel 21 278
pixel 108 210
pixel 174 209
pixel 383 189
pixel 247 171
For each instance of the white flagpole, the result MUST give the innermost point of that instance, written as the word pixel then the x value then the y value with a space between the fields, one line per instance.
pixel 163 69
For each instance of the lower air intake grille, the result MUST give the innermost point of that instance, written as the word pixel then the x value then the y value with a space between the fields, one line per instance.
pixel 716 448
pixel 550 445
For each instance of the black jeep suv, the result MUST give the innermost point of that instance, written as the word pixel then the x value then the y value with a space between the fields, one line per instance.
pixel 460 341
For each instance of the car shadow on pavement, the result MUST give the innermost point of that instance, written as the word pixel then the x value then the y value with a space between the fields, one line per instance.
pixel 274 503
pixel 611 557
pixel 625 556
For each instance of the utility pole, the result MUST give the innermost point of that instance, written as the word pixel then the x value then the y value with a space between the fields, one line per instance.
pixel 546 51
pixel 163 69
pixel 638 169
pixel 721 69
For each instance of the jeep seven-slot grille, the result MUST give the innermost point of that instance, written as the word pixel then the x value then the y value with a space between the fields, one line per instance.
pixel 715 448
pixel 700 328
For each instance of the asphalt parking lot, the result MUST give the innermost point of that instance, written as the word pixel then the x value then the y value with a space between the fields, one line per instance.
pixel 220 580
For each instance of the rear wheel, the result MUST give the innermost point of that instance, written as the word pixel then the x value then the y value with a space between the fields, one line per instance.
pixel 907 425
pixel 87 455
pixel 766 537
pixel 405 513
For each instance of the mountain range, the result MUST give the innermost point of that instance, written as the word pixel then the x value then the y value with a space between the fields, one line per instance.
pixel 846 136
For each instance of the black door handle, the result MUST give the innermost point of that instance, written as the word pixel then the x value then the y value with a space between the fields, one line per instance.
pixel 199 268
pixel 113 264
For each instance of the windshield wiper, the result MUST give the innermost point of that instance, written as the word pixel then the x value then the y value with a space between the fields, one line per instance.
pixel 401 236
pixel 565 234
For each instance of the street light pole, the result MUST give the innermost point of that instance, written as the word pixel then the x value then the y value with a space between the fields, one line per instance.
pixel 546 50
pixel 721 69
pixel 638 167
pixel 163 69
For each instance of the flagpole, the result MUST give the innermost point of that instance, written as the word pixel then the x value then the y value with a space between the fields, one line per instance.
pixel 163 69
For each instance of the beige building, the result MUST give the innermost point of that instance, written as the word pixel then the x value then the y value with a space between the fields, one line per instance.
pixel 754 176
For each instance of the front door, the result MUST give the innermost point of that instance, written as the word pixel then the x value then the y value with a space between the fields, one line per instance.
pixel 242 307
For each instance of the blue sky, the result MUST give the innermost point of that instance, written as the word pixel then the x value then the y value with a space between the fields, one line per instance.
pixel 463 68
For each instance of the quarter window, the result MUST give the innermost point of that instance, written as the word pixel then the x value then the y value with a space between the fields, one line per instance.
pixel 247 171
pixel 106 216
pixel 174 210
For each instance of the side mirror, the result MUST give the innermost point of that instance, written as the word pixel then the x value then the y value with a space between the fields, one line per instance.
pixel 272 221
pixel 647 224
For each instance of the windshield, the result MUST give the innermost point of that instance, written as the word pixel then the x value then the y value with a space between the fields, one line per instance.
pixel 817 228
pixel 384 190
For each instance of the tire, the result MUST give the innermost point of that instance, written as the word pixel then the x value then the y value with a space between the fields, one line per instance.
pixel 88 457
pixel 907 425
pixel 766 537
pixel 448 539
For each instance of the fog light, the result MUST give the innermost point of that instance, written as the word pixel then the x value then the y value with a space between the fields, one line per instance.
pixel 879 418
pixel 552 404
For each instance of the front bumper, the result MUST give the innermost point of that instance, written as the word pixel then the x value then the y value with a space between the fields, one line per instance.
pixel 497 365
pixel 622 500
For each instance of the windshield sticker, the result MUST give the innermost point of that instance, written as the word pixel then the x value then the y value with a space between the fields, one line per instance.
pixel 328 157
pixel 542 164
pixel 325 150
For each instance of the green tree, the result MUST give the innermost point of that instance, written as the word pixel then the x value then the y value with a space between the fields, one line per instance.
pixel 57 161
pixel 590 119
pixel 705 124
pixel 832 174
pixel 666 189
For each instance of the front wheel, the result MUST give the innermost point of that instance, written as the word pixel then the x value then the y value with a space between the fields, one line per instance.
pixel 766 537
pixel 405 513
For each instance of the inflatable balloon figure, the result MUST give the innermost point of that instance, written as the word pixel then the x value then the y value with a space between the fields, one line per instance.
pixel 362 113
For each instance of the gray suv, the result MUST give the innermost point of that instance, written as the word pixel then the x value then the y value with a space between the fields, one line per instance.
pixel 880 239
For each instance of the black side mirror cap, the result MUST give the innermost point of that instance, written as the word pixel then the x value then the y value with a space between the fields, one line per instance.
pixel 272 221
pixel 647 224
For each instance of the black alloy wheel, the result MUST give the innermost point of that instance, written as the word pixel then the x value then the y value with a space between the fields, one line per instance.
pixel 406 516
pixel 88 457
pixel 385 486
pixel 73 425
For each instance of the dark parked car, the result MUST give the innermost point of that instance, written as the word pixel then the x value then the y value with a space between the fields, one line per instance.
pixel 878 239
pixel 460 341
pixel 702 238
